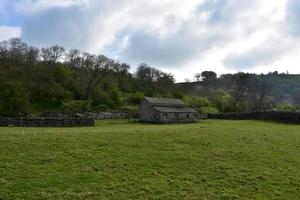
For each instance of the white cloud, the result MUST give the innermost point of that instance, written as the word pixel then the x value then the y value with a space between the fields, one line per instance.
pixel 7 32
pixel 174 35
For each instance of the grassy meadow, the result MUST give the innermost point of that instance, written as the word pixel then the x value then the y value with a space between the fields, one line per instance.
pixel 128 160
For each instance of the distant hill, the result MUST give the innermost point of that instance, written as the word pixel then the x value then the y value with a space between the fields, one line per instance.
pixel 284 88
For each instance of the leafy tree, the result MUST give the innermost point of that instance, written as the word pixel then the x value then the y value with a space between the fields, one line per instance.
pixel 208 75
pixel 178 95
pixel 285 107
pixel 221 100
pixel 115 96
pixel 136 98
pixel 239 102
pixel 14 99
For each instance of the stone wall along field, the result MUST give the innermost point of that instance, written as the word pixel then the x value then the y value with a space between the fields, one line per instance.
pixel 288 117
pixel 72 122
pixel 93 115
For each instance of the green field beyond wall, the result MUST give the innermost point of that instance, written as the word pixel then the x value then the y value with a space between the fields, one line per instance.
pixel 129 160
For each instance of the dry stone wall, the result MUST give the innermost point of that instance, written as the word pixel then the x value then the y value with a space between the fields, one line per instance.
pixel 93 115
pixel 288 117
pixel 71 122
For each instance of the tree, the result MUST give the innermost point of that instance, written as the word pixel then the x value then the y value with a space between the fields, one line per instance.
pixel 241 81
pixel 198 77
pixel 115 96
pixel 221 100
pixel 122 72
pixel 208 75
pixel 74 58
pixel 164 83
pixel 14 99
pixel 147 73
pixel 12 51
pixel 259 96
pixel 94 69
pixel 52 54
pixel 32 55
pixel 136 98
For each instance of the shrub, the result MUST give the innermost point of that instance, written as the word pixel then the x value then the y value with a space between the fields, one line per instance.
pixel 197 101
pixel 285 107
pixel 136 98
pixel 75 106
pixel 208 110
pixel 14 99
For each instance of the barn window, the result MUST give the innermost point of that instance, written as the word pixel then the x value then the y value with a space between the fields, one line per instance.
pixel 187 116
pixel 177 116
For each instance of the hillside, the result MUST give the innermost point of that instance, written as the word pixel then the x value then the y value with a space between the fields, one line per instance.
pixel 283 88
pixel 34 80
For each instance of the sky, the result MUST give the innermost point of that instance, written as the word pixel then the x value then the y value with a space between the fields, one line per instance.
pixel 182 37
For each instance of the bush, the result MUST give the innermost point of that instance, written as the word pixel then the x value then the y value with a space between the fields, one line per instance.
pixel 178 95
pixel 197 101
pixel 208 110
pixel 285 107
pixel 75 106
pixel 221 100
pixel 136 98
pixel 115 96
pixel 14 99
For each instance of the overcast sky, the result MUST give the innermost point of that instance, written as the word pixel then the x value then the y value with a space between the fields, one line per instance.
pixel 178 36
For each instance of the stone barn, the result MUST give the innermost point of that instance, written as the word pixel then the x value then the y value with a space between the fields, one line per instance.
pixel 163 110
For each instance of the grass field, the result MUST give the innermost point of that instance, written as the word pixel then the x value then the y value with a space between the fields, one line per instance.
pixel 128 160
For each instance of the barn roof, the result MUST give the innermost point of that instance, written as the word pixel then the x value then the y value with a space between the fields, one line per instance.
pixel 175 109
pixel 165 101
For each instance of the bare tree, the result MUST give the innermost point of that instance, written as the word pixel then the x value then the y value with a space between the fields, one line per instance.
pixel 13 51
pixel 198 77
pixel 52 54
pixel 32 55
pixel 74 58
pixel 147 73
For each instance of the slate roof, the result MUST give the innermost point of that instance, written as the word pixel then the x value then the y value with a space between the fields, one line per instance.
pixel 175 109
pixel 165 101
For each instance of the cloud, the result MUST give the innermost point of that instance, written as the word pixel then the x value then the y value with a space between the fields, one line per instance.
pixel 227 11
pixel 279 42
pixel 171 50
pixel 293 17
pixel 267 52
pixel 227 35
pixel 7 32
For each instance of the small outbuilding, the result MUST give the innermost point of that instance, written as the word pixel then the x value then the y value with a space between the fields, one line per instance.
pixel 164 110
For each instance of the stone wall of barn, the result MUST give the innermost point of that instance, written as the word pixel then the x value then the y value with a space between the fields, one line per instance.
pixel 146 112
pixel 178 117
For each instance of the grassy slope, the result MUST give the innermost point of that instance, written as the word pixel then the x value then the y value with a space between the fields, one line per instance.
pixel 127 160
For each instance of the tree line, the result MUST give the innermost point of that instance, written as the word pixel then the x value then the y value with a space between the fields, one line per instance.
pixel 34 79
